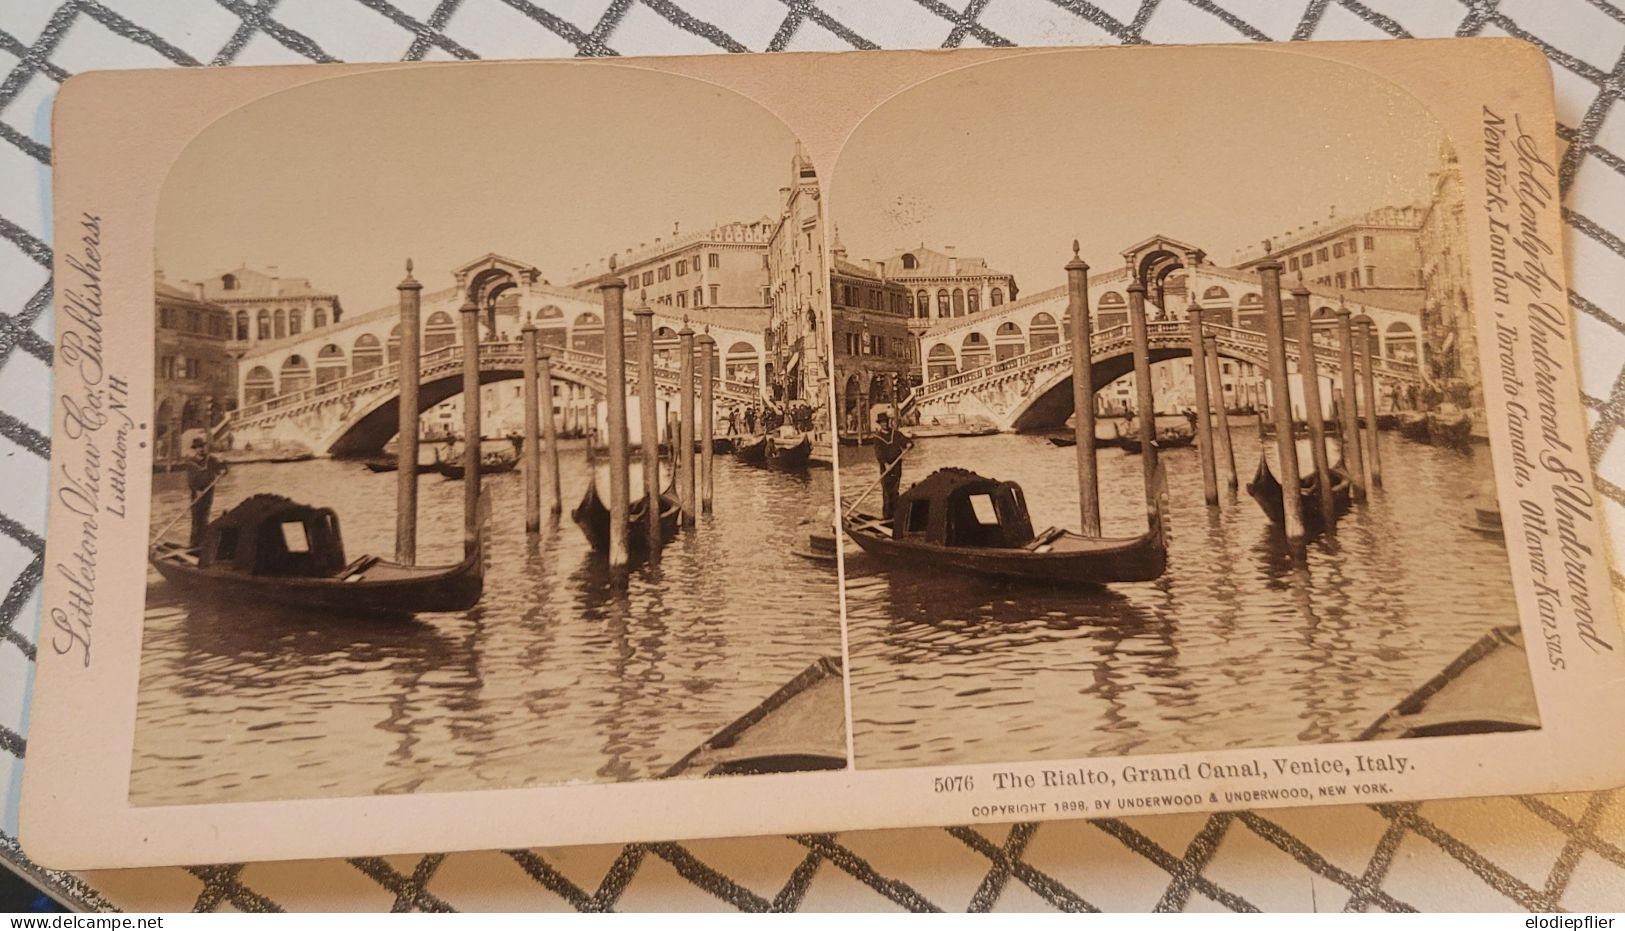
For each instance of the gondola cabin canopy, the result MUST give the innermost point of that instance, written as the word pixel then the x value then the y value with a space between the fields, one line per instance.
pixel 269 535
pixel 957 507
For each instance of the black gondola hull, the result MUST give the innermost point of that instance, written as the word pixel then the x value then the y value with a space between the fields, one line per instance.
pixel 1131 559
pixel 408 590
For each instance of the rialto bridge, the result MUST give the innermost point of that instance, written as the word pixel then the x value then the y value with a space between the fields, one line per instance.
pixel 334 390
pixel 1012 366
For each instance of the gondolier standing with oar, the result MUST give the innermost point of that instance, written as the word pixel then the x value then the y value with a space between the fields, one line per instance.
pixel 202 472
pixel 890 445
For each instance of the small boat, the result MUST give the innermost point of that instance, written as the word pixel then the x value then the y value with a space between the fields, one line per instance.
pixel 751 449
pixel 489 465
pixel 271 549
pixel 1388 421
pixel 392 464
pixel 1414 426
pixel 1132 444
pixel 818 541
pixel 1450 429
pixel 592 516
pixel 799 728
pixel 788 452
pixel 1068 440
pixel 957 521
pixel 1266 489
pixel 722 444
pixel 1485 690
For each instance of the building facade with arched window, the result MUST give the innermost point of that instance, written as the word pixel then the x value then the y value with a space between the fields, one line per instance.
pixel 944 284
pixel 265 306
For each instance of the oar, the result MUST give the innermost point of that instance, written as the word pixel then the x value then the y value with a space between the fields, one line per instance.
pixel 165 529
pixel 875 484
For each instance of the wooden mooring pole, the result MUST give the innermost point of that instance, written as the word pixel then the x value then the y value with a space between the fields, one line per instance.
pixel 1368 377
pixel 685 424
pixel 406 437
pixel 533 433
pixel 1083 393
pixel 471 423
pixel 613 289
pixel 1309 374
pixel 649 424
pixel 1210 344
pixel 550 430
pixel 1144 398
pixel 1204 410
pixel 708 427
pixel 1350 407
pixel 1281 406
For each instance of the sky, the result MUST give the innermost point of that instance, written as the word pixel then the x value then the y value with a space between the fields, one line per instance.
pixel 1014 159
pixel 341 180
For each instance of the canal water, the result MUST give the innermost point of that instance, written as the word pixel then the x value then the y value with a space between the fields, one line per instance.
pixel 554 677
pixel 1233 647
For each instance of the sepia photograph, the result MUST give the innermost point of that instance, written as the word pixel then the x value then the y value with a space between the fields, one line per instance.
pixel 1162 424
pixel 491 455
pixel 488 425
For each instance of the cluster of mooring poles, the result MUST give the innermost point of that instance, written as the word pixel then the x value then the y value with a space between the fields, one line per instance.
pixel 695 391
pixel 695 427
pixel 1083 393
pixel 1362 457
pixel 406 441
pixel 1214 444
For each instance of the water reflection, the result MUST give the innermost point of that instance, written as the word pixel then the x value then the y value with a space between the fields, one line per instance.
pixel 556 676
pixel 1236 645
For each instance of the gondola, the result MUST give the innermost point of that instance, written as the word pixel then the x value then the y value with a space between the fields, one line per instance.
pixel 1453 431
pixel 722 444
pixel 751 449
pixel 788 453
pixel 957 521
pixel 490 465
pixel 392 464
pixel 1414 426
pixel 1067 441
pixel 1266 489
pixel 1132 445
pixel 592 516
pixel 269 549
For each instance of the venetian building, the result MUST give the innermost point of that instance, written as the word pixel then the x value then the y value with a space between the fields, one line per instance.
pixel 796 345
pixel 265 306
pixel 943 285
pixel 1374 251
pixel 873 351
pixel 194 373
pixel 1448 326
pixel 724 267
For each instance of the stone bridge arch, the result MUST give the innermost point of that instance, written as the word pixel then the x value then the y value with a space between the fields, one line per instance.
pixel 365 429
pixel 1048 403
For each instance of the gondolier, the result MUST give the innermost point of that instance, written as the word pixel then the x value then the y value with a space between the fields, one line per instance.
pixel 202 472
pixel 890 445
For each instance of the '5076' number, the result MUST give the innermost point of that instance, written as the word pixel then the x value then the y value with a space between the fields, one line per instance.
pixel 953 783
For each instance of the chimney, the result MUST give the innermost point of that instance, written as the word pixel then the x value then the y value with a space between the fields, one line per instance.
pixel 276 281
pixel 881 267
pixel 953 264
pixel 197 290
pixel 869 264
